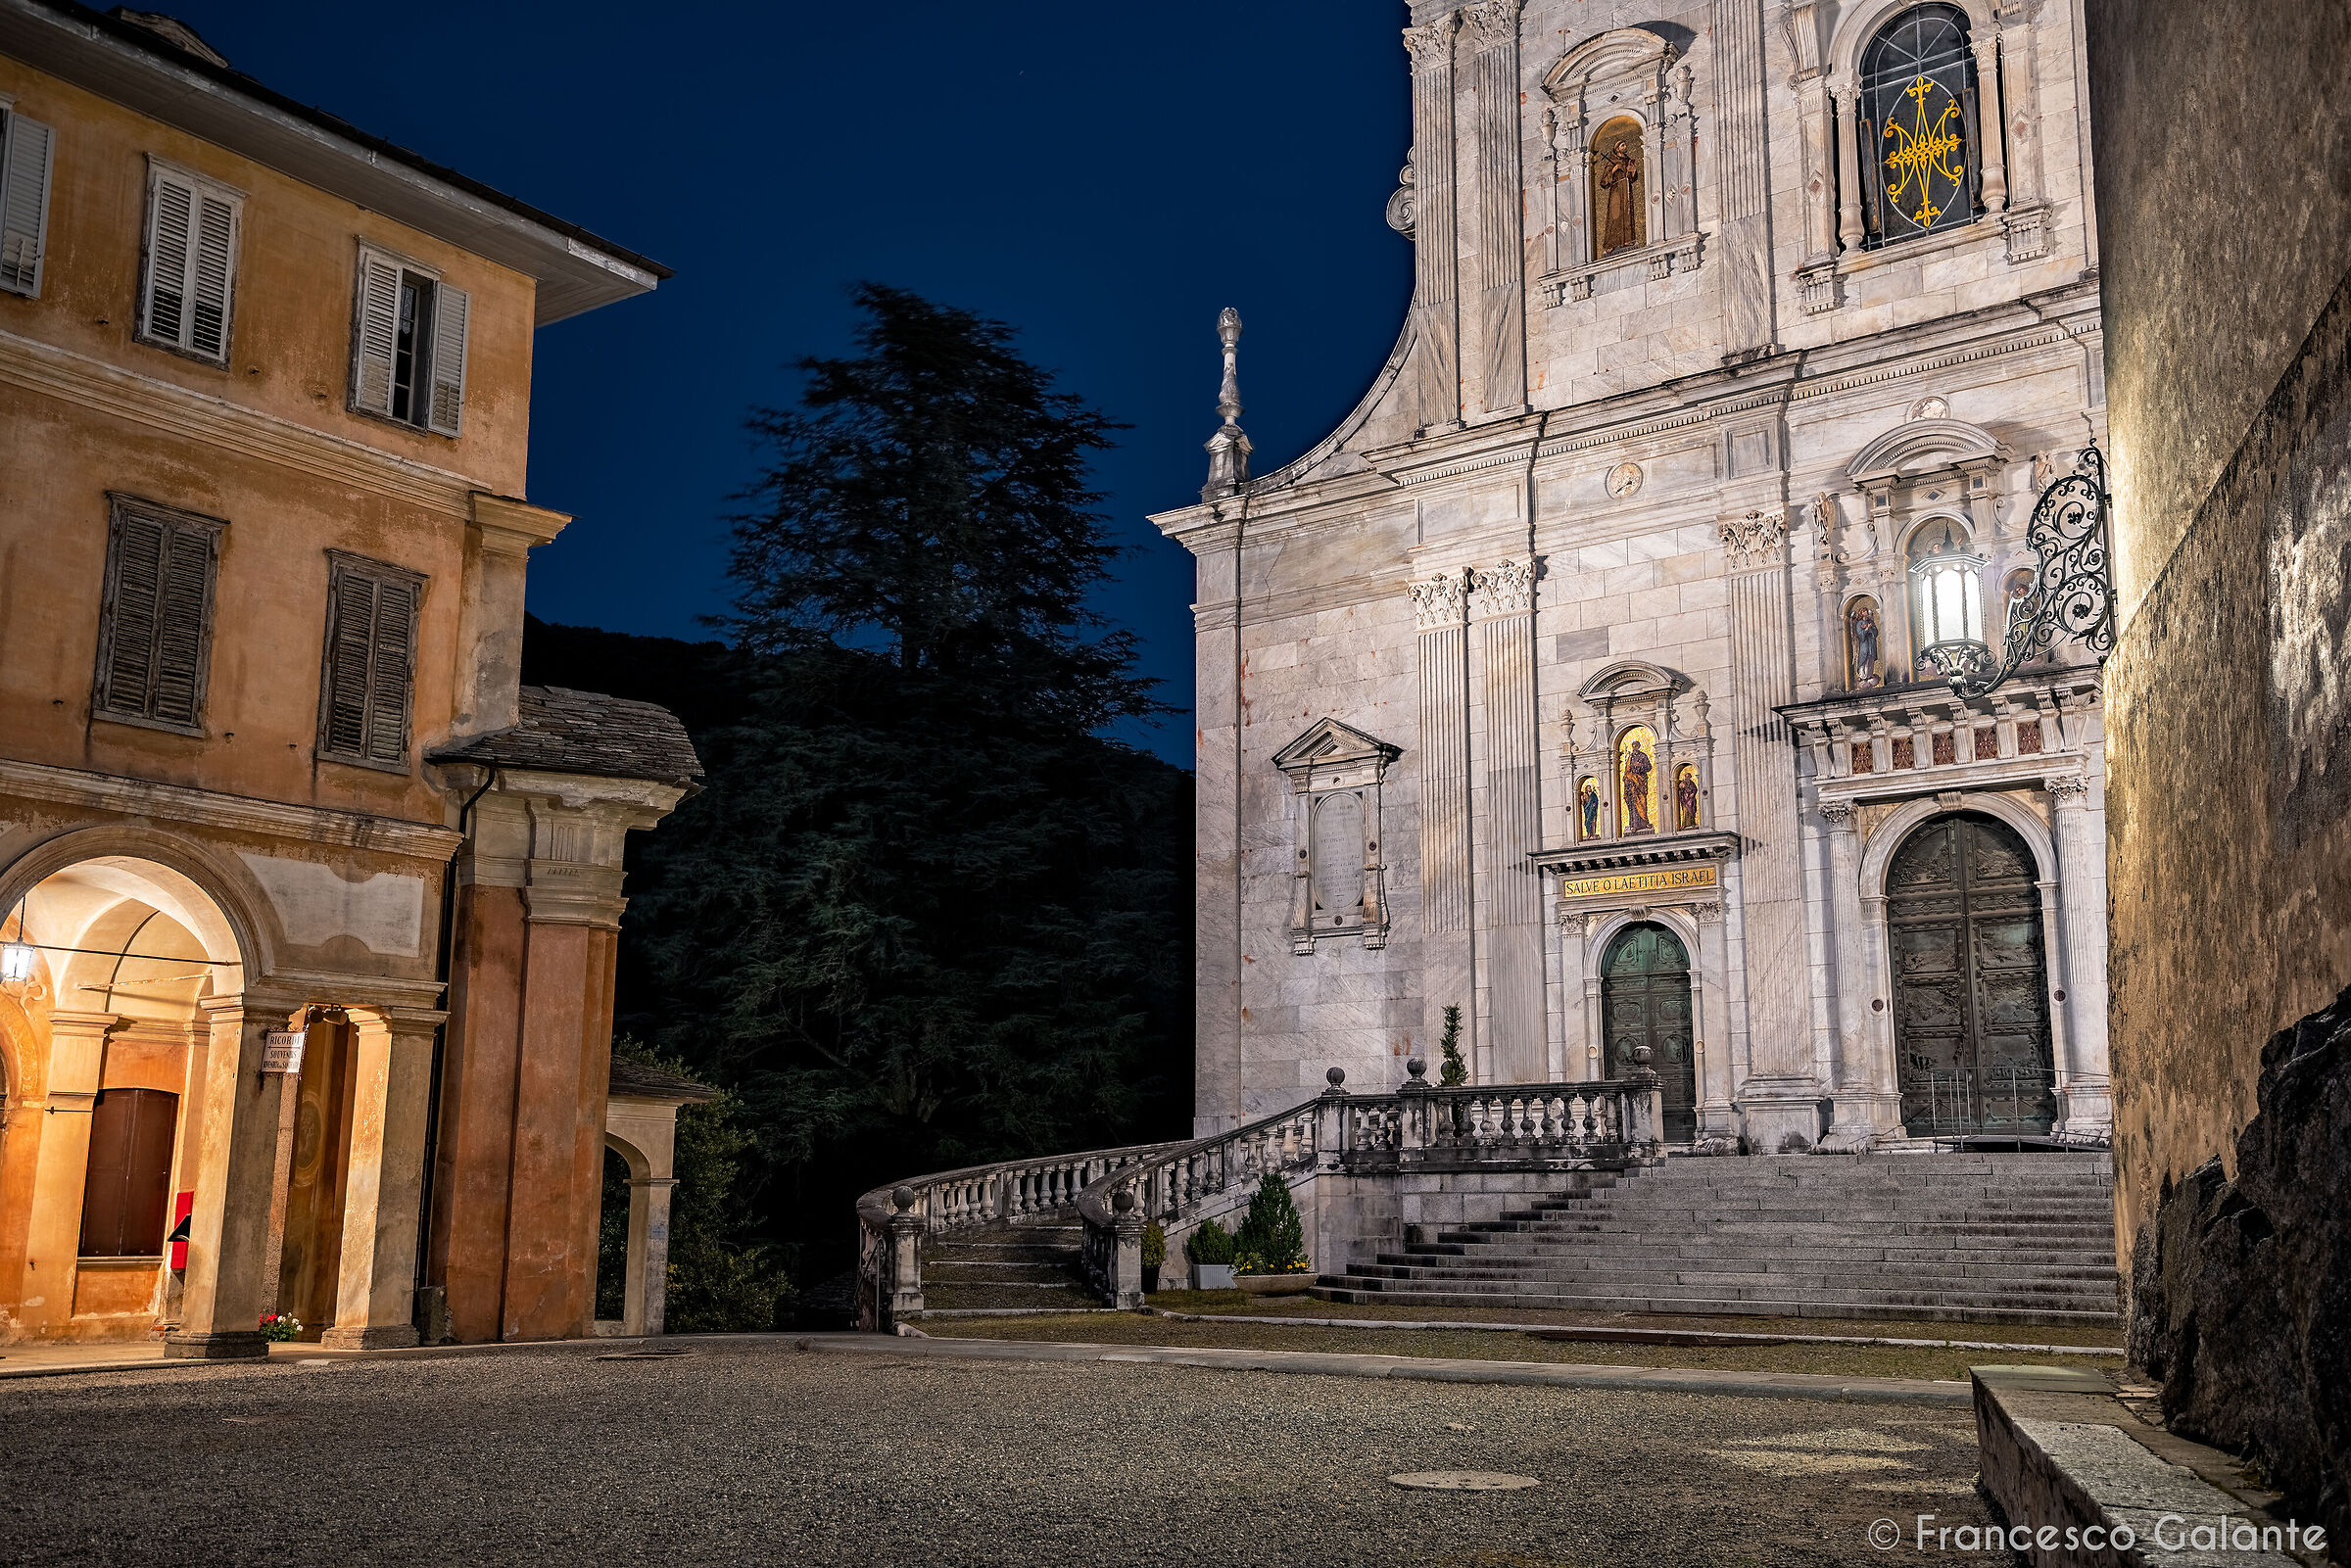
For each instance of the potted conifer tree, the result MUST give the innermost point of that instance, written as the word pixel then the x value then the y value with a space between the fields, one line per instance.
pixel 1210 1247
pixel 1270 1248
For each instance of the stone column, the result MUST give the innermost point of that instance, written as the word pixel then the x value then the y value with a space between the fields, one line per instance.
pixel 2088 1108
pixel 1781 1095
pixel 1743 144
pixel 61 1163
pixel 229 1232
pixel 1817 115
pixel 1718 1116
pixel 1491 31
pixel 1866 1109
pixel 1844 108
pixel 392 1070
pixel 645 1298
pixel 1436 262
pixel 1503 604
pixel 1989 122
pixel 1439 604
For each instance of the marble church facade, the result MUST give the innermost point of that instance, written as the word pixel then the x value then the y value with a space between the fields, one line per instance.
pixel 1573 679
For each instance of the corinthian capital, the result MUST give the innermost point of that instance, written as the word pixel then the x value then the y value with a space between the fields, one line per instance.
pixel 1507 587
pixel 1431 45
pixel 1491 23
pixel 1438 601
pixel 1754 539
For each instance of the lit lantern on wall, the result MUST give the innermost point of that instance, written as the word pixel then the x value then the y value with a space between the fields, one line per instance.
pixel 16 961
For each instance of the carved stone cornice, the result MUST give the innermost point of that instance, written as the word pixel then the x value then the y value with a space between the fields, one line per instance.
pixel 230 428
pixel 1755 541
pixel 1507 587
pixel 208 808
pixel 1432 45
pixel 1440 602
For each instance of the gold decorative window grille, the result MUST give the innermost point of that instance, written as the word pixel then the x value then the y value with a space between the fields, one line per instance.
pixel 1919 126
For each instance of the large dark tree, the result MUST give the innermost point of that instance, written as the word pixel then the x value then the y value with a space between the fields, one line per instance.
pixel 923 914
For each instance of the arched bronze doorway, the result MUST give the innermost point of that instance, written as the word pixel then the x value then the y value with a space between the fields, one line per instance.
pixel 1645 1001
pixel 1971 992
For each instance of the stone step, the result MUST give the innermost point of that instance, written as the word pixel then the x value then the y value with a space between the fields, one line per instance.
pixel 1509 1291
pixel 1698 1306
pixel 1435 1254
pixel 1390 1266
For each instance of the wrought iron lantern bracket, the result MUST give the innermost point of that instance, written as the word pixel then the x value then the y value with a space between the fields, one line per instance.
pixel 2073 587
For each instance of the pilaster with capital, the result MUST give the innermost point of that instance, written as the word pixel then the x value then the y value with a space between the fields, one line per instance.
pixel 1440 610
pixel 1435 258
pixel 2081 898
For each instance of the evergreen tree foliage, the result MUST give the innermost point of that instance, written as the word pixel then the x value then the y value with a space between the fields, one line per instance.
pixel 1456 1071
pixel 1272 1235
pixel 922 913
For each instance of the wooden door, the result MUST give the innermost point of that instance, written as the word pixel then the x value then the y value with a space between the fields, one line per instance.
pixel 1645 1001
pixel 1971 1009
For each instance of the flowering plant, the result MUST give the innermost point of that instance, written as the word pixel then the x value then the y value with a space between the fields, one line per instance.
pixel 280 1328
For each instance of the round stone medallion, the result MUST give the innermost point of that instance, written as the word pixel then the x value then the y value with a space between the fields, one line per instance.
pixel 1462 1481
pixel 1623 480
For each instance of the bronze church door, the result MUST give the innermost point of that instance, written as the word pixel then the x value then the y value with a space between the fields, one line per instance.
pixel 1971 993
pixel 1645 1000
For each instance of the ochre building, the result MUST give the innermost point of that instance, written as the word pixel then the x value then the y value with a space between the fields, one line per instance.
pixel 1578 679
pixel 309 907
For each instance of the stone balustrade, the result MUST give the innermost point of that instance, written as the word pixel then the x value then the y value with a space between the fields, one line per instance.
pixel 894 1222
pixel 1421 1129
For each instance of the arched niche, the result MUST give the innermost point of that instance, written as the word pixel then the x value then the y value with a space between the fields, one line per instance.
pixel 1634 74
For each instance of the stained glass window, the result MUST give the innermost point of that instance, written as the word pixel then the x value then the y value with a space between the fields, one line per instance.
pixel 1918 127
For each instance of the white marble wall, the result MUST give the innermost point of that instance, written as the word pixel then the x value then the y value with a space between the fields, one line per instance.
pixel 1306 609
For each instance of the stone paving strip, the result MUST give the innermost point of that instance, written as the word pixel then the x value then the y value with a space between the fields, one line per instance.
pixel 1426 1369
pixel 1597 1334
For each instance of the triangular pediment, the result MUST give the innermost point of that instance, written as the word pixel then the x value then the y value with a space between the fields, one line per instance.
pixel 1329 743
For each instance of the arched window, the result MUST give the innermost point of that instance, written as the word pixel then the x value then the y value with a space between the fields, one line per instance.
pixel 1946 590
pixel 1918 132
pixel 1619 188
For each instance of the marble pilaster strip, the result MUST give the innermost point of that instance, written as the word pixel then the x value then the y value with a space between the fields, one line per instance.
pixel 1435 258
pixel 1771 872
pixel 1493 28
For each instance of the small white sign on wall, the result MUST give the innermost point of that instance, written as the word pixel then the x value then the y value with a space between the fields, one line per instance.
pixel 281 1051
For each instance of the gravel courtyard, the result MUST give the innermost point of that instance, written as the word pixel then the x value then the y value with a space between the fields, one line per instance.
pixel 751 1451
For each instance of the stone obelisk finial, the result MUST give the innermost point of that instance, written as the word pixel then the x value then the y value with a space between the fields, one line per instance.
pixel 1229 448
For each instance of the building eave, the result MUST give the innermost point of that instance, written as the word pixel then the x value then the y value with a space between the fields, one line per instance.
pixel 576 271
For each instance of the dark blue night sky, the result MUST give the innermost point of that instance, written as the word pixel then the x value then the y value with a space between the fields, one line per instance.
pixel 1102 176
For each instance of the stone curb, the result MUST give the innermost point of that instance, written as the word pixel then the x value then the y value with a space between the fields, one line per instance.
pixel 2061 1452
pixel 1515 1374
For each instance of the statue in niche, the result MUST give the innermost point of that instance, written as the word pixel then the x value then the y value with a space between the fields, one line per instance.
pixel 1587 808
pixel 1618 207
pixel 1685 797
pixel 1637 782
pixel 1862 639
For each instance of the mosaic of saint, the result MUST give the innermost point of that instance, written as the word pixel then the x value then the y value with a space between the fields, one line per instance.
pixel 1587 808
pixel 1685 797
pixel 1637 781
pixel 1619 215
pixel 1861 643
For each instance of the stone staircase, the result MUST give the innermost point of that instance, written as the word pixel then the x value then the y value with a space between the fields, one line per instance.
pixel 1987 1238
pixel 1003 1264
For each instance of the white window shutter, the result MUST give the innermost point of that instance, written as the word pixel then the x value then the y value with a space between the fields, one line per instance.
pixel 450 308
pixel 25 171
pixel 375 331
pixel 212 253
pixel 170 229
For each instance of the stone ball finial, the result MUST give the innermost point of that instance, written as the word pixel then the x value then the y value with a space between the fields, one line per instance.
pixel 1336 1076
pixel 903 1198
pixel 1123 1201
pixel 1418 1069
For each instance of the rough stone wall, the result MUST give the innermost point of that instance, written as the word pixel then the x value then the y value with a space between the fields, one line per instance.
pixel 2230 714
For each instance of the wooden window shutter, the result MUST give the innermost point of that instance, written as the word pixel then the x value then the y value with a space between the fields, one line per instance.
pixel 450 307
pixel 213 256
pixel 349 637
pixel 365 702
pixel 391 672
pixel 155 640
pixel 170 224
pixel 183 606
pixel 375 331
pixel 27 150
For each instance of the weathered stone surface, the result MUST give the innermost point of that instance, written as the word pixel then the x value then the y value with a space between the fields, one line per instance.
pixel 2241 1290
